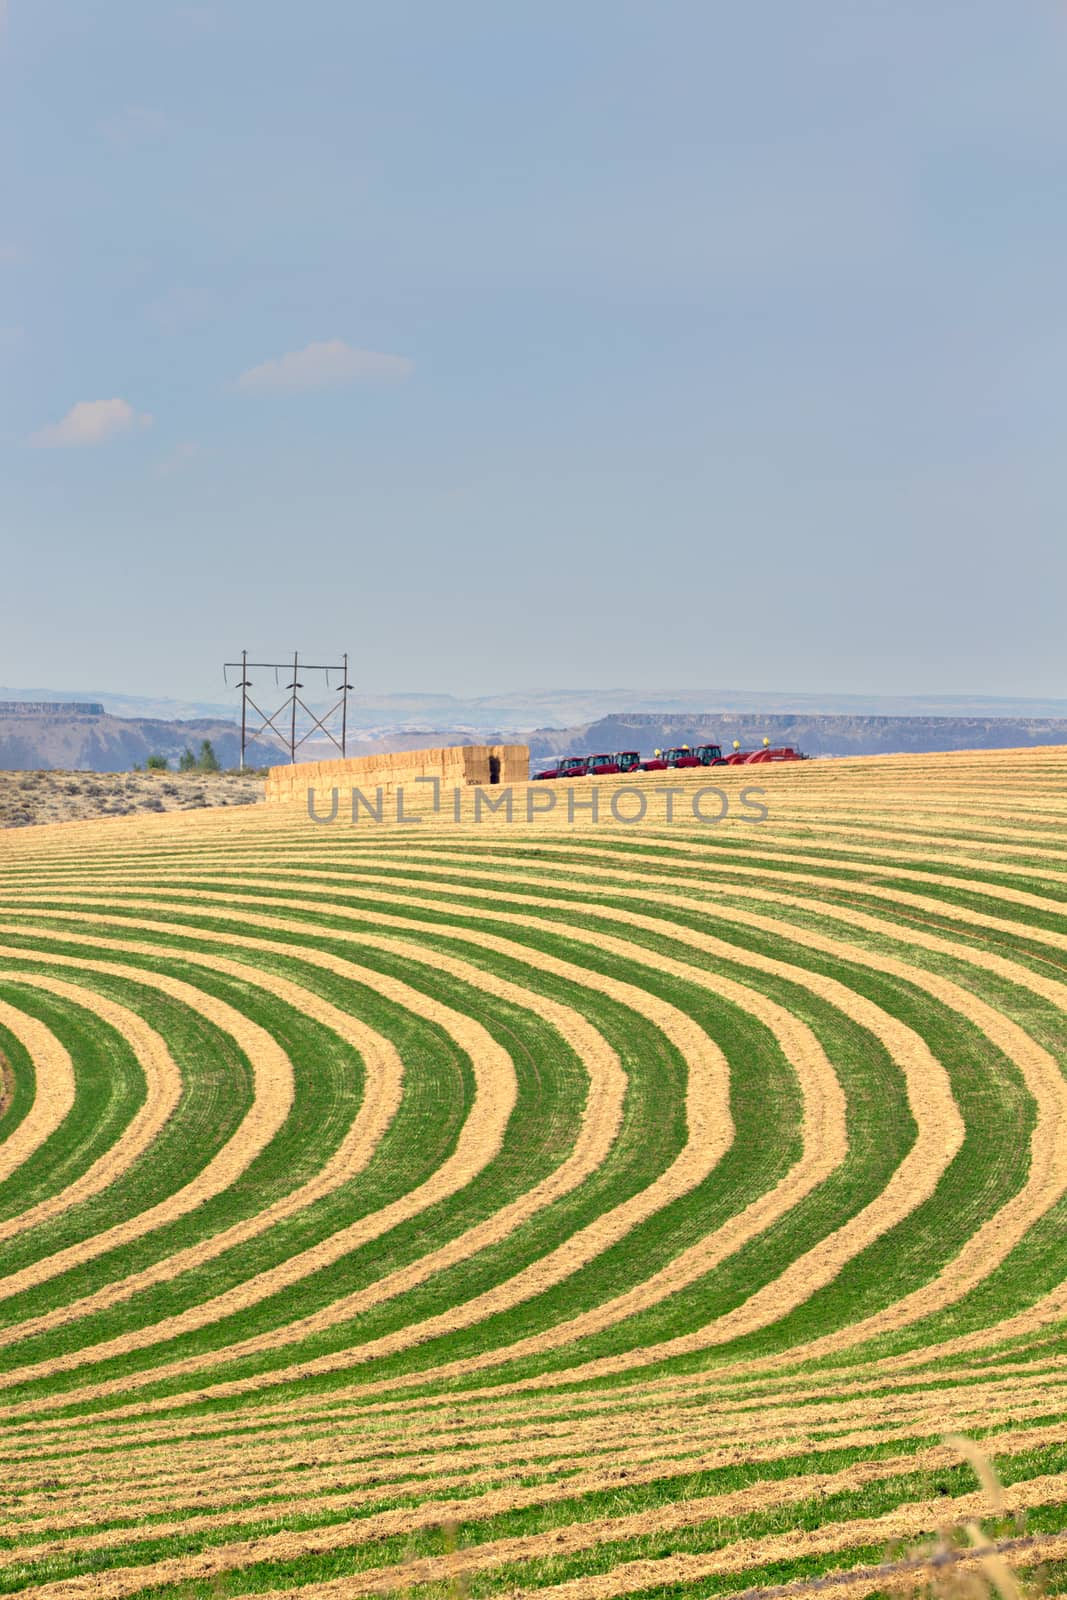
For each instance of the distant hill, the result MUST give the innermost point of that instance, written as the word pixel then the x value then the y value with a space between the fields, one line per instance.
pixel 38 738
pixel 815 735
pixel 51 736
pixel 374 715
pixel 51 708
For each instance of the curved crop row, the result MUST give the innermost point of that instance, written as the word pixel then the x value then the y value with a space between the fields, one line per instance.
pixel 581 1208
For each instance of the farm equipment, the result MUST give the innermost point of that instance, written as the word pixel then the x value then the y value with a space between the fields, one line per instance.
pixel 747 758
pixel 569 767
pixel 680 756
pixel 596 766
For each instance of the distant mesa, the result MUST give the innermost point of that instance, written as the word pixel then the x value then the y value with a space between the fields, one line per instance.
pixel 815 734
pixel 51 708
pixel 80 735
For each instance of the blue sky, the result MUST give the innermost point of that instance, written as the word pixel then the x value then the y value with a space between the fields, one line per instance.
pixel 515 345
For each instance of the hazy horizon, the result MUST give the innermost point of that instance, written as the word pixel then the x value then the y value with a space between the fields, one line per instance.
pixel 528 708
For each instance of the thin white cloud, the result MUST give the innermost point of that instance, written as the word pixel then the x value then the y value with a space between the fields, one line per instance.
pixel 319 365
pixel 8 251
pixel 90 422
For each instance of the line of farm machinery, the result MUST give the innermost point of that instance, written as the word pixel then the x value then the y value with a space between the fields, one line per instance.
pixel 701 755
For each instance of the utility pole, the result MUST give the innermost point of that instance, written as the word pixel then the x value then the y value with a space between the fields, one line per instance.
pixel 245 686
pixel 294 686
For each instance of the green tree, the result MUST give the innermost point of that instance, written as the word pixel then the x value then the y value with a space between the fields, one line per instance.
pixel 156 763
pixel 187 761
pixel 207 761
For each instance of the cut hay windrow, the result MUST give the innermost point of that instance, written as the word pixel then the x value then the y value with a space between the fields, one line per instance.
pixel 53 1072
pixel 163 1088
pixel 217 1496
pixel 564 1207
pixel 677 1440
pixel 939 1120
pixel 485 1502
pixel 708 1115
pixel 599 1127
pixel 823 1138
pixel 913 1520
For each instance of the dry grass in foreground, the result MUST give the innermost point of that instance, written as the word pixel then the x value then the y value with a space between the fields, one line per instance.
pixel 31 797
pixel 963 1563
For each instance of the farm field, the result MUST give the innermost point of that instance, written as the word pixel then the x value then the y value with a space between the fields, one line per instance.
pixel 562 1209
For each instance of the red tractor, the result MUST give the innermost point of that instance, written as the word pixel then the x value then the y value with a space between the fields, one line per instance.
pixel 680 756
pixel 569 767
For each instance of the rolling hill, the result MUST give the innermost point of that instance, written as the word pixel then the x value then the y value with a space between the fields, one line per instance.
pixel 571 1209
pixel 72 739
pixel 816 735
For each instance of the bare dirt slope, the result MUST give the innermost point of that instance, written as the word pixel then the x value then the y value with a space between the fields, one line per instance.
pixel 28 797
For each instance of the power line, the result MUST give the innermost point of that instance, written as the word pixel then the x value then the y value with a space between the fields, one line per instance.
pixel 333 723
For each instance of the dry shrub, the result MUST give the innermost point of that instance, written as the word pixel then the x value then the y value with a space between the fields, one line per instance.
pixel 965 1563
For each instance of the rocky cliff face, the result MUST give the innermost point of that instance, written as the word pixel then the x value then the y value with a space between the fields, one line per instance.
pixel 815 735
pixel 47 741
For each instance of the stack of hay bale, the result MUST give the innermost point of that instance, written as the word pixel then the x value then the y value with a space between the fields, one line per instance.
pixel 457 767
